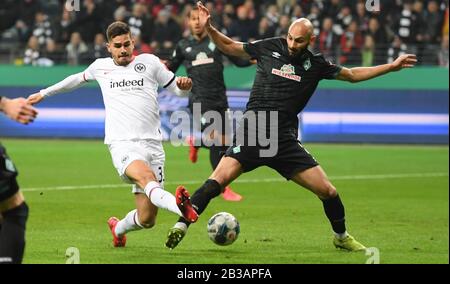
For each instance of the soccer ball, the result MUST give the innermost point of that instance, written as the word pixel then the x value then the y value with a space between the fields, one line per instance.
pixel 223 228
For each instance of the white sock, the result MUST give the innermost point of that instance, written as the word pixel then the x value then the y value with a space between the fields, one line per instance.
pixel 128 224
pixel 341 236
pixel 181 226
pixel 161 198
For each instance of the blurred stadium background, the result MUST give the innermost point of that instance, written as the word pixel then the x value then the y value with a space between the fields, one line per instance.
pixel 401 189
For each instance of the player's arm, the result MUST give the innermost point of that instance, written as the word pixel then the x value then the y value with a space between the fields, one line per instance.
pixel 18 109
pixel 180 86
pixel 240 62
pixel 359 74
pixel 70 83
pixel 176 60
pixel 224 43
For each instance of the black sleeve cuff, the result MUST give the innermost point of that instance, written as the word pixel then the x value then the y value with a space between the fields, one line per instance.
pixel 170 82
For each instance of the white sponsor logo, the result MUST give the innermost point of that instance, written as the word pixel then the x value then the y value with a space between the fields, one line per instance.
pixel 201 59
pixel 288 72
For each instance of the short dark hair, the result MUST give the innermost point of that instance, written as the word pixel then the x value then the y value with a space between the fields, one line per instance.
pixel 117 29
pixel 195 8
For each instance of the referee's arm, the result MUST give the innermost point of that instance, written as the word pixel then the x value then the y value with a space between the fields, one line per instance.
pixel 358 74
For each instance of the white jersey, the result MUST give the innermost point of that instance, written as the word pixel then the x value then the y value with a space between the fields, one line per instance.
pixel 130 96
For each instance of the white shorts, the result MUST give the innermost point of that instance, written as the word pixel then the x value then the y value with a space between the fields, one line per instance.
pixel 151 152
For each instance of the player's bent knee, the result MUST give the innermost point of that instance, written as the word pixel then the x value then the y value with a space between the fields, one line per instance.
pixel 327 191
pixel 330 191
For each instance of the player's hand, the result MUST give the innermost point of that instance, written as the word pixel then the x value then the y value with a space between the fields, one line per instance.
pixel 184 83
pixel 35 98
pixel 404 61
pixel 204 15
pixel 19 110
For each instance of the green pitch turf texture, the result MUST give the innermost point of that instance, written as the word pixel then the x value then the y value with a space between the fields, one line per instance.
pixel 396 199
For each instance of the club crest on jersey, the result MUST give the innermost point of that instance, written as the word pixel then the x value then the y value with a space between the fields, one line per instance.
pixel 10 166
pixel 287 71
pixel 201 59
pixel 125 159
pixel 307 64
pixel 140 68
pixel 212 46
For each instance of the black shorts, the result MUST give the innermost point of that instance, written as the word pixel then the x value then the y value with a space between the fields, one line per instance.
pixel 8 174
pixel 290 159
pixel 208 121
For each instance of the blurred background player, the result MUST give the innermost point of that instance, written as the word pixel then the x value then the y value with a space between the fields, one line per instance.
pixel 204 65
pixel 13 209
pixel 129 86
pixel 286 78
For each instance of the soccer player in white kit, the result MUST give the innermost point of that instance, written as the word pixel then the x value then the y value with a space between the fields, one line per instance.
pixel 130 87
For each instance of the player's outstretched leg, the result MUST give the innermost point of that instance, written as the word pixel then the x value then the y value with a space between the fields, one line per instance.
pixel 199 200
pixel 316 180
pixel 228 170
pixel 119 228
pixel 334 209
pixel 145 179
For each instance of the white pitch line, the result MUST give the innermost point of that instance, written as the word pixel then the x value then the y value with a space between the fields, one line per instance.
pixel 351 177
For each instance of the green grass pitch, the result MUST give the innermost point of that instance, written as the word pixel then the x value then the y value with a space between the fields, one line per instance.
pixel 396 200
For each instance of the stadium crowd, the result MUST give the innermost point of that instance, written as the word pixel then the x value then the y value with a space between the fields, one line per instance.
pixel 45 33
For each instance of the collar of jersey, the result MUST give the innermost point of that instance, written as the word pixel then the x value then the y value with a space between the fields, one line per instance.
pixel 192 38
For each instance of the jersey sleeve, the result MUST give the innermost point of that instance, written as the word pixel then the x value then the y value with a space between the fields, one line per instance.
pixel 256 48
pixel 328 70
pixel 89 73
pixel 176 60
pixel 239 62
pixel 163 75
